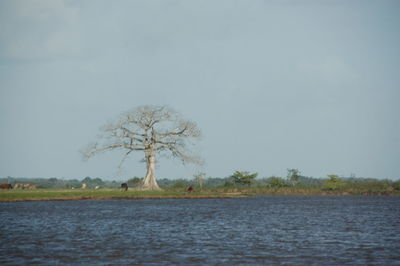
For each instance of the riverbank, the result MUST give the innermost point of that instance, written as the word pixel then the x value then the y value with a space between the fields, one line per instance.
pixel 103 194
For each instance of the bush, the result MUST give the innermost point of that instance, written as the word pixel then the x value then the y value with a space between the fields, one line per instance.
pixel 396 185
pixel 333 183
pixel 243 177
pixel 276 182
pixel 134 182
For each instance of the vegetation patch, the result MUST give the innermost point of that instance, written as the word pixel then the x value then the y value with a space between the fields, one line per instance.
pixel 239 184
pixel 90 194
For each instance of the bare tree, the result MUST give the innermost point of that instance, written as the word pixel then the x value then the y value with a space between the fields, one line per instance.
pixel 153 130
pixel 199 179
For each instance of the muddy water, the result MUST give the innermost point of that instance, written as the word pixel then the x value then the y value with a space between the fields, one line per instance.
pixel 305 230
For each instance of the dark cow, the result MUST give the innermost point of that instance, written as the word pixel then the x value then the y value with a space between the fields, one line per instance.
pixel 124 186
pixel 5 186
pixel 190 189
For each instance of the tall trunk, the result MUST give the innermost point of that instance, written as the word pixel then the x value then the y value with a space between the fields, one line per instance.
pixel 149 182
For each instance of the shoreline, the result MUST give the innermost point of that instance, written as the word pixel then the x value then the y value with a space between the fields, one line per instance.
pixel 64 195
pixel 122 198
pixel 55 195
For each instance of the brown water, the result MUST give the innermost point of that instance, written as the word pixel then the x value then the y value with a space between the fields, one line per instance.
pixel 297 230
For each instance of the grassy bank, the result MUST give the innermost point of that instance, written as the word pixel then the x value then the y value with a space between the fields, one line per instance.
pixel 222 192
pixel 312 190
pixel 91 194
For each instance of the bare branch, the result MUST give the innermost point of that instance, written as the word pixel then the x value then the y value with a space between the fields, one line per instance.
pixel 132 133
pixel 152 129
pixel 123 159
pixel 93 149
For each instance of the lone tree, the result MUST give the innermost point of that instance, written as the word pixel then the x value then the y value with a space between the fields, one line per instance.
pixel 293 176
pixel 152 130
pixel 199 179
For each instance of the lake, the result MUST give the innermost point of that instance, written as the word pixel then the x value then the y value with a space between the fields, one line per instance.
pixel 272 230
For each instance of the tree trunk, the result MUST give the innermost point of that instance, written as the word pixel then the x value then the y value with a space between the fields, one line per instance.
pixel 149 182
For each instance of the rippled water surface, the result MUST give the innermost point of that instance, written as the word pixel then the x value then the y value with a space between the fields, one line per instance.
pixel 303 230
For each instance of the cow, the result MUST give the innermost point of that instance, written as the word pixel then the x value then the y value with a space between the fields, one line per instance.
pixel 190 189
pixel 6 186
pixel 29 186
pixel 24 186
pixel 124 186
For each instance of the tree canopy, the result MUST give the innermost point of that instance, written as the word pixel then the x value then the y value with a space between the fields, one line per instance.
pixel 243 177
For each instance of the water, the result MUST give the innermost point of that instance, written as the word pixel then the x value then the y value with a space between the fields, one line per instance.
pixel 296 230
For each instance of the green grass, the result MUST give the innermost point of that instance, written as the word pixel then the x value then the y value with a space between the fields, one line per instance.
pixel 217 192
pixel 347 189
pixel 85 194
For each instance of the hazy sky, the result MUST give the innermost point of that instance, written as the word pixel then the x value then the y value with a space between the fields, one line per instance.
pixel 273 84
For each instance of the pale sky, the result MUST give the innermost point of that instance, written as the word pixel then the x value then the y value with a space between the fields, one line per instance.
pixel 272 84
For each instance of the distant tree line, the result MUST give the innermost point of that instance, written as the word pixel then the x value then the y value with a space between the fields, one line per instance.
pixel 239 180
pixel 54 182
